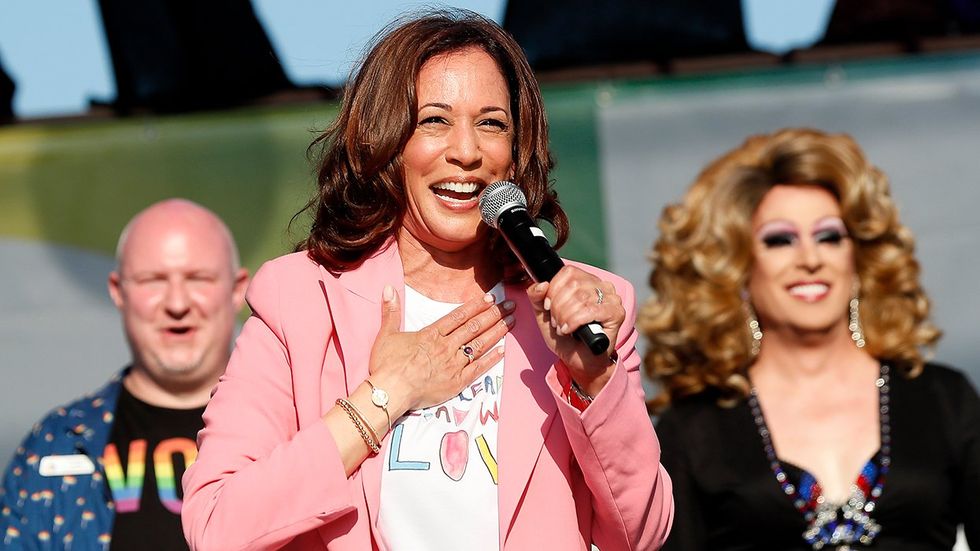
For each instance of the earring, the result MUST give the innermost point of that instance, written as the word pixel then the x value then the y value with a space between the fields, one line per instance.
pixel 756 336
pixel 854 323
pixel 755 330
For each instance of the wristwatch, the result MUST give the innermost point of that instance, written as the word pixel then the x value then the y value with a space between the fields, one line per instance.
pixel 379 398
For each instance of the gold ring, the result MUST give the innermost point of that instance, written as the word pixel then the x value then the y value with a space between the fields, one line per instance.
pixel 600 296
pixel 467 351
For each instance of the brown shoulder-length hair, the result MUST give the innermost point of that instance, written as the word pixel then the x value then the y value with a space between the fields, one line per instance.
pixel 360 198
pixel 696 323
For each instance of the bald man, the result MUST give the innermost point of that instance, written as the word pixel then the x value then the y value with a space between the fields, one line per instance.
pixel 106 468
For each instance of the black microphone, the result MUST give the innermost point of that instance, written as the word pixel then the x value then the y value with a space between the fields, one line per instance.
pixel 503 206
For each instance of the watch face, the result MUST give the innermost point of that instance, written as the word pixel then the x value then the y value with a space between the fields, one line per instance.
pixel 379 397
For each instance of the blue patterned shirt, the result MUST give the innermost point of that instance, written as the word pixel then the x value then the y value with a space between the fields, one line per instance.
pixel 61 511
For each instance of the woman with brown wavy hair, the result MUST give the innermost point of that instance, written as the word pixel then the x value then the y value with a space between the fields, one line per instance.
pixel 787 333
pixel 401 383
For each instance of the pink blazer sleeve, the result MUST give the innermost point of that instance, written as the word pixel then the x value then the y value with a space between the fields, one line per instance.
pixel 253 484
pixel 616 448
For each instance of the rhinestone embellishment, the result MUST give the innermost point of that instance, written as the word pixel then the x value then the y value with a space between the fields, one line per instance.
pixel 835 525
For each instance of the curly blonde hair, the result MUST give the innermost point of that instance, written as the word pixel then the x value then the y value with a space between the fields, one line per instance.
pixel 696 323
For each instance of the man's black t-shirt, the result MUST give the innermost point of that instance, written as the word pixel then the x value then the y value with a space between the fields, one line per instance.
pixel 148 450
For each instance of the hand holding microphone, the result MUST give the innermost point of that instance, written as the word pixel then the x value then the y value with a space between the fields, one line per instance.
pixel 504 207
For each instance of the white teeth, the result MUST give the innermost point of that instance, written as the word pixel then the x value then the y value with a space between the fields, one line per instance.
pixel 458 187
pixel 809 289
pixel 454 200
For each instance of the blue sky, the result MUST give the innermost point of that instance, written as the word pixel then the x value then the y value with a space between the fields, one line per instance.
pixel 56 53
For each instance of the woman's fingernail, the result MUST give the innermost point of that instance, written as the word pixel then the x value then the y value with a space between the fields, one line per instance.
pixel 564 329
pixel 509 320
pixel 388 293
pixel 541 286
pixel 554 323
pixel 547 303
pixel 509 305
pixel 488 298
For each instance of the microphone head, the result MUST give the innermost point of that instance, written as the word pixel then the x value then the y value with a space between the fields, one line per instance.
pixel 499 197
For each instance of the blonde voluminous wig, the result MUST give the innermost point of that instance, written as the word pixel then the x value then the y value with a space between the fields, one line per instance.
pixel 696 323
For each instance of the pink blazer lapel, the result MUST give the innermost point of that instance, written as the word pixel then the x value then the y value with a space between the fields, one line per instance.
pixel 355 307
pixel 527 406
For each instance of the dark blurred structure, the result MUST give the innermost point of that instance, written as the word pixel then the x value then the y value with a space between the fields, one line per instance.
pixel 967 15
pixel 558 34
pixel 587 39
pixel 183 55
pixel 904 21
pixel 6 97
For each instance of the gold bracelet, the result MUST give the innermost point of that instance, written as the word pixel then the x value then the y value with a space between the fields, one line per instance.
pixel 364 420
pixel 359 424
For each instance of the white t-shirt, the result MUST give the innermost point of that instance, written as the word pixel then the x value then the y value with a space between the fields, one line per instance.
pixel 439 478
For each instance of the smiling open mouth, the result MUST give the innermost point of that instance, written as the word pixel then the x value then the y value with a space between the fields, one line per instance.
pixel 809 291
pixel 459 192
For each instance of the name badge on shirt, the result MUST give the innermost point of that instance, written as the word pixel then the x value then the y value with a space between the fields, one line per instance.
pixel 66 465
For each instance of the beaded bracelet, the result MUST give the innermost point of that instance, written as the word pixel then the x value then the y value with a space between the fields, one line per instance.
pixel 367 424
pixel 367 433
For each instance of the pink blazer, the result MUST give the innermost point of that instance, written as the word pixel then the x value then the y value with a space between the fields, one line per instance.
pixel 268 474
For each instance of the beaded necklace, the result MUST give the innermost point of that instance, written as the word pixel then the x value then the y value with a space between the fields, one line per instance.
pixel 837 525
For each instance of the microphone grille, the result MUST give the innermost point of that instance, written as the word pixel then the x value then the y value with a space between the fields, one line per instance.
pixel 498 197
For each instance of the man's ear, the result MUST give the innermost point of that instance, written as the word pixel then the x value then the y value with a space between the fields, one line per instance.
pixel 115 293
pixel 239 288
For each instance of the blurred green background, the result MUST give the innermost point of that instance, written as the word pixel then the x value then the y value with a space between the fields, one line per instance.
pixel 78 184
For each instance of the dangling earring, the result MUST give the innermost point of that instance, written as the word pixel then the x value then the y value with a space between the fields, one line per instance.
pixel 756 336
pixel 755 331
pixel 854 323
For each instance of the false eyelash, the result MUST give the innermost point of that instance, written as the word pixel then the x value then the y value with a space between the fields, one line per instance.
pixel 780 239
pixel 833 237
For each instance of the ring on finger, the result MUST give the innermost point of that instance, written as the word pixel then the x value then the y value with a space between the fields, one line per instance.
pixel 599 296
pixel 467 351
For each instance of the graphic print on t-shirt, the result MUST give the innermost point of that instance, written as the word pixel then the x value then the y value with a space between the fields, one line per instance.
pixel 460 421
pixel 127 484
pixel 149 449
pixel 441 461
